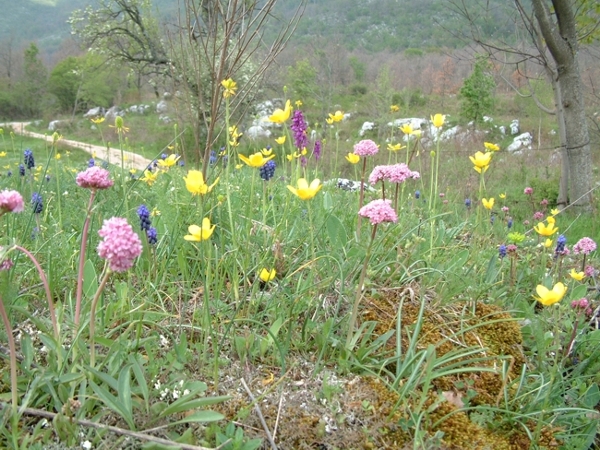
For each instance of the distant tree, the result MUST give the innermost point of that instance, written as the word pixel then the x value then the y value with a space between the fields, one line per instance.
pixel 477 92
pixel 33 84
pixel 359 68
pixel 64 82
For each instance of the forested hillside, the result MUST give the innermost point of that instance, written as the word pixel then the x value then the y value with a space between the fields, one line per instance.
pixel 373 25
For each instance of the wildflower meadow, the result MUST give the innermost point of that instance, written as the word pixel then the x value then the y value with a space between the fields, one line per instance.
pixel 314 292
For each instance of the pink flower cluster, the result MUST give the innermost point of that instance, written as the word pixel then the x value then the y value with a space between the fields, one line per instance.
pixel 366 147
pixel 395 173
pixel 582 304
pixel 528 191
pixel 6 263
pixel 378 211
pixel 10 201
pixel 538 215
pixel 94 178
pixel 589 271
pixel 120 246
pixel 584 246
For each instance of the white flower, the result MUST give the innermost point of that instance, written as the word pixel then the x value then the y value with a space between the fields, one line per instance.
pixel 87 445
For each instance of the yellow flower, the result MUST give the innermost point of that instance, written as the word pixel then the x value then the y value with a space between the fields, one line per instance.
pixel 169 161
pixel 2 154
pixel 229 87
pixel 149 177
pixel 280 140
pixel 329 121
pixel 338 116
pixel 195 184
pixel 352 158
pixel 290 157
pixel 481 161
pixel 394 108
pixel 438 120
pixel 266 152
pixel 306 191
pixel 544 230
pixel 394 148
pixel 407 128
pixel 239 166
pixel 502 196
pixel 57 156
pixel 304 151
pixel 554 211
pixel 550 297
pixel 487 204
pixel 577 275
pixel 255 160
pixel 56 137
pixel 490 146
pixel 267 275
pixel 200 233
pixel 298 103
pixel 155 212
pixel 97 121
pixel 550 219
pixel 281 115
pixel 132 171
pixel 548 243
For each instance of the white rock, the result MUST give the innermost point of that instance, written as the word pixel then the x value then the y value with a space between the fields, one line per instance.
pixel 520 142
pixel 257 132
pixel 367 126
pixel 162 107
pixel 514 127
pixel 94 112
pixel 53 125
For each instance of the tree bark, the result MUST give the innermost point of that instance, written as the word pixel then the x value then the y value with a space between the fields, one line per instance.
pixel 560 36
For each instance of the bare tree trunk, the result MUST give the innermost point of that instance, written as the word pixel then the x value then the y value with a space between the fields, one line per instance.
pixel 561 40
pixel 563 188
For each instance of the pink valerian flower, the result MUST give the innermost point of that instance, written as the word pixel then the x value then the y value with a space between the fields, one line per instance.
pixel 10 201
pixel 378 211
pixel 395 173
pixel 511 248
pixel 366 147
pixel 94 178
pixel 120 246
pixel 528 191
pixel 584 246
pixel 544 202
pixel 504 209
pixel 589 271
pixel 399 172
pixel 379 173
pixel 5 263
pixel 538 215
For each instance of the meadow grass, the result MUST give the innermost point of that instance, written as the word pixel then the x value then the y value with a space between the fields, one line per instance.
pixel 450 348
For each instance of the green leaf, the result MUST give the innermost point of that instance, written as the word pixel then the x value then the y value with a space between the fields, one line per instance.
pixel 186 403
pixel 113 403
pixel 336 232
pixel 90 279
pixel 200 417
pixel 491 274
pixel 124 389
pixel 138 372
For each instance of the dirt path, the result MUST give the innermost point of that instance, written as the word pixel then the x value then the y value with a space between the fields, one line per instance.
pixel 112 155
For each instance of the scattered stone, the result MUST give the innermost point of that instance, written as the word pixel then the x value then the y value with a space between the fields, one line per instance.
pixel 164 118
pixel 113 112
pixel 515 127
pixel 350 185
pixel 367 126
pixel 54 125
pixel 98 111
pixel 520 142
pixel 162 107
pixel 257 132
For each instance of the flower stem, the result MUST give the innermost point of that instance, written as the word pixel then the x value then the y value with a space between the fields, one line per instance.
pixel 46 288
pixel 361 197
pixel 84 236
pixel 13 357
pixel 93 316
